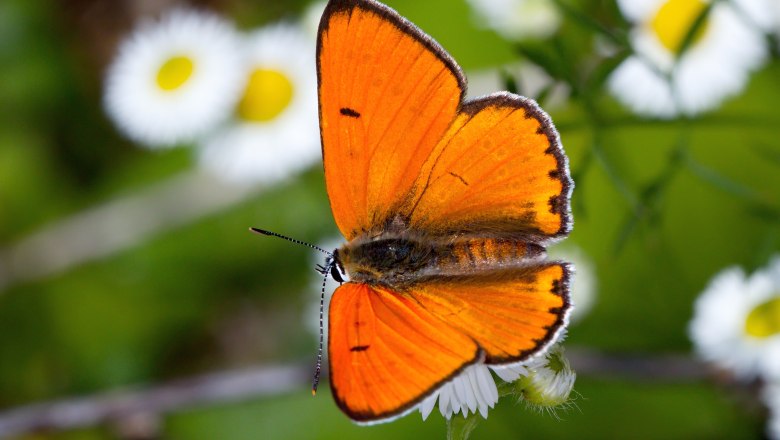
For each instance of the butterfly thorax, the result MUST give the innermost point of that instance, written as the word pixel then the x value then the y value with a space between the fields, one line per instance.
pixel 401 260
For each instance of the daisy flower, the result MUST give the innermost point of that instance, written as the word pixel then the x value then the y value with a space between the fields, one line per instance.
pixel 736 322
pixel 274 129
pixel 545 382
pixel 549 382
pixel 517 19
pixel 175 79
pixel 661 81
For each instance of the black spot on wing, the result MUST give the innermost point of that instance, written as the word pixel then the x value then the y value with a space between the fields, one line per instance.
pixel 346 111
pixel 359 348
pixel 558 204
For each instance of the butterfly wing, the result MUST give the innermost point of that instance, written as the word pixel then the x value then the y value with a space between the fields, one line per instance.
pixel 389 350
pixel 511 314
pixel 499 169
pixel 387 95
pixel 400 144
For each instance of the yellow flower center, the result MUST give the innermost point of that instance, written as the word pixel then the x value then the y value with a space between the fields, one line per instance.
pixel 268 93
pixel 764 320
pixel 674 20
pixel 174 73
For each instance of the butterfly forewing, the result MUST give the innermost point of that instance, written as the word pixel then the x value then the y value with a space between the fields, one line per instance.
pixel 387 94
pixel 499 170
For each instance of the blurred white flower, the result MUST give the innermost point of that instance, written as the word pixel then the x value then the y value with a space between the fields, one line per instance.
pixel 736 322
pixel 660 81
pixel 274 130
pixel 583 284
pixel 175 79
pixel 771 395
pixel 312 15
pixel 762 13
pixel 516 19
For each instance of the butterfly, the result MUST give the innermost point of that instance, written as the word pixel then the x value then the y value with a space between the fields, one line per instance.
pixel 447 205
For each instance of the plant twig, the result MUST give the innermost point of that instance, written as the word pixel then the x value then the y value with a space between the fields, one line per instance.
pixel 117 225
pixel 231 386
pixel 119 405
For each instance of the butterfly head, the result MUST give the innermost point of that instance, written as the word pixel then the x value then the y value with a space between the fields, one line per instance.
pixel 333 267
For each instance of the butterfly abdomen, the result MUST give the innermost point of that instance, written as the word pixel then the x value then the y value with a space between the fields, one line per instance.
pixel 479 253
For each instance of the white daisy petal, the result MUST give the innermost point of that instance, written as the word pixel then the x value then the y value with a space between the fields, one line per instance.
pixel 463 394
pixel 479 389
pixel 763 13
pixel 515 19
pixel 488 386
pixel 653 98
pixel 736 322
pixel 636 10
pixel 427 405
pixel 472 391
pixel 509 373
pixel 174 80
pixel 274 132
pixel 657 82
pixel 445 402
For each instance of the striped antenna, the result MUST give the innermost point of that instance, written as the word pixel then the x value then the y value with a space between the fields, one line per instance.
pixel 324 270
pixel 274 234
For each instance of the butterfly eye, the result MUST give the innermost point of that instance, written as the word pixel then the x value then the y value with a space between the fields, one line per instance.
pixel 335 273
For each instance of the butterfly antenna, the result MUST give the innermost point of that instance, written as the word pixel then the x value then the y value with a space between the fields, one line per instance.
pixel 318 368
pixel 274 234
pixel 324 270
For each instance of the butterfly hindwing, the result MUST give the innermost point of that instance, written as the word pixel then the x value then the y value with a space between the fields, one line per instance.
pixel 387 95
pixel 390 349
pixel 387 352
pixel 511 314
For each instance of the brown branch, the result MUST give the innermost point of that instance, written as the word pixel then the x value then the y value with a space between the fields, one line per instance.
pixel 121 405
pixel 117 225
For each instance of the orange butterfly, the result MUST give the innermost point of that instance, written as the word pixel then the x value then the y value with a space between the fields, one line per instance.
pixel 447 205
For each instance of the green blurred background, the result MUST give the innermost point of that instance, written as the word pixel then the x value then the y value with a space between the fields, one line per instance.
pixel 660 207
